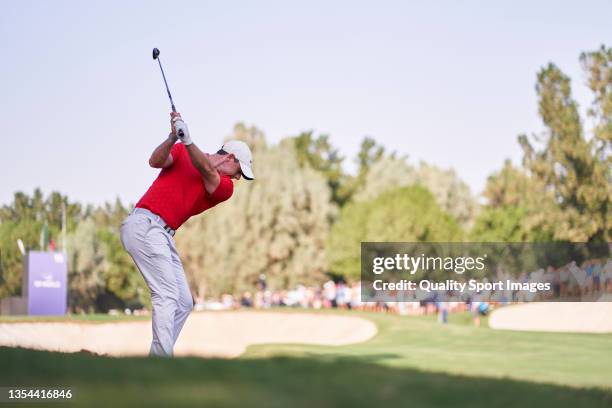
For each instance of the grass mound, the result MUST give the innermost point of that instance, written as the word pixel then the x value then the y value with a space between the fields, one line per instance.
pixel 411 362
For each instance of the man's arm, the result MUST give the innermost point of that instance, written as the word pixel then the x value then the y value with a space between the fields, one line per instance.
pixel 208 172
pixel 161 157
pixel 198 158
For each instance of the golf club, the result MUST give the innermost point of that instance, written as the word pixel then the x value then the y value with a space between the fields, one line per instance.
pixel 156 57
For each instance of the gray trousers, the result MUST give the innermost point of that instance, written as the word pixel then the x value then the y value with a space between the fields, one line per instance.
pixel 154 252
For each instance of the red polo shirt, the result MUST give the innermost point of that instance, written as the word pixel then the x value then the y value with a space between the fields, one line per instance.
pixel 178 192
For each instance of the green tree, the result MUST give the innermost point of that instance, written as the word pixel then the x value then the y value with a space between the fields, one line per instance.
pixel 518 209
pixel 408 214
pixel 319 154
pixel 12 260
pixel 503 224
pixel 369 153
pixel 123 284
pixel 389 172
pixel 85 266
pixel 251 135
pixel 598 66
pixel 39 208
pixel 110 215
pixel 510 187
pixel 451 193
pixel 24 219
pixel 574 168
pixel 275 225
pixel 386 173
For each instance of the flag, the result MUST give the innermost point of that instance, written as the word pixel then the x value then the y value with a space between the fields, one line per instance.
pixel 44 237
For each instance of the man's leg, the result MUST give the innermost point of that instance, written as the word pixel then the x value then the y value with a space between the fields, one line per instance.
pixel 147 243
pixel 185 300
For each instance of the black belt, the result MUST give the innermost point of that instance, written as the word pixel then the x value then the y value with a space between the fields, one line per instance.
pixel 156 218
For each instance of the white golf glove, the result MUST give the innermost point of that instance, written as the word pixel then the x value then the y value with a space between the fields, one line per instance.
pixel 180 127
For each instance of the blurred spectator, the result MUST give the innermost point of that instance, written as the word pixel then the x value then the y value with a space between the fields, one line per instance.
pixel 262 285
pixel 246 300
pixel 342 295
pixel 329 291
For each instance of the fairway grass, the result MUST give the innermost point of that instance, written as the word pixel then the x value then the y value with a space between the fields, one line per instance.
pixel 569 359
pixel 413 362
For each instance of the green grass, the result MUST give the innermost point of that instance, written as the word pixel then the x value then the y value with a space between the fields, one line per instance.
pixel 574 360
pixel 413 362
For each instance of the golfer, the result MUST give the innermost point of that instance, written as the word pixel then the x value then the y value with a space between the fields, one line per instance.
pixel 189 183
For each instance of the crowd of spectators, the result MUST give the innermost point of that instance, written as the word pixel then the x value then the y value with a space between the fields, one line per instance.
pixel 588 281
pixel 593 277
pixel 331 295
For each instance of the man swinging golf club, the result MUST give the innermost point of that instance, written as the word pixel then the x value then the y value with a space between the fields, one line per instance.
pixel 189 183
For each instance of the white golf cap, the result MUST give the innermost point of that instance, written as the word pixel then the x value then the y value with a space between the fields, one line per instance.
pixel 242 152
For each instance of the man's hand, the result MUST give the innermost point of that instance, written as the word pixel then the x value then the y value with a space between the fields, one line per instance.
pixel 182 132
pixel 174 116
pixel 180 129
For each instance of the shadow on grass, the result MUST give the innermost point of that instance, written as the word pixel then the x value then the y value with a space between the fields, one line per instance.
pixel 273 382
pixel 327 356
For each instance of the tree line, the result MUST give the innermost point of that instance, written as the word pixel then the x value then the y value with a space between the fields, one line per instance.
pixel 305 216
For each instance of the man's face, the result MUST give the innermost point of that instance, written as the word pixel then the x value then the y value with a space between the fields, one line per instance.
pixel 230 166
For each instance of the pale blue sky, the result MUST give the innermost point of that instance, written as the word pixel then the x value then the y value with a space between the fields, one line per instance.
pixel 451 82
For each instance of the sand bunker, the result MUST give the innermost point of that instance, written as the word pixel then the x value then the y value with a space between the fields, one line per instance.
pixel 555 317
pixel 220 334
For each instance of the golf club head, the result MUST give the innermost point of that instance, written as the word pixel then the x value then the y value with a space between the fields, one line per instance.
pixel 155 53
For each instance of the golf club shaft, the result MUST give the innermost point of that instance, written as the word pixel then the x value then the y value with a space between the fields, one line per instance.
pixel 166 83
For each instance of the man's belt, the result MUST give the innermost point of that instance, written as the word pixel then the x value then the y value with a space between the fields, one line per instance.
pixel 156 218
